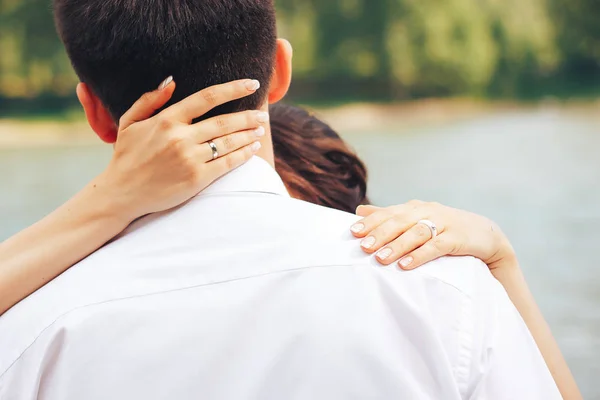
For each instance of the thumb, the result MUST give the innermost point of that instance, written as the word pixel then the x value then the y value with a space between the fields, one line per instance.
pixel 147 105
pixel 364 211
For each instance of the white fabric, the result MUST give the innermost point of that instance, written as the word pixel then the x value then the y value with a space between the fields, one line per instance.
pixel 244 293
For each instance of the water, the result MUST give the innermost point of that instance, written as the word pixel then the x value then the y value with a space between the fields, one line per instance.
pixel 536 173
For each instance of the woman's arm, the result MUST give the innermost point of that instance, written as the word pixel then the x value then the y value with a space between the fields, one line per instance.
pixel 38 254
pixel 515 285
pixel 394 234
pixel 158 163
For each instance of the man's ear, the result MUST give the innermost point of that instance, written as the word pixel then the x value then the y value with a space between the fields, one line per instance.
pixel 98 117
pixel 282 76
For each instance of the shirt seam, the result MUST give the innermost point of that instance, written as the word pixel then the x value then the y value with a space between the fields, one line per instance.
pixel 465 348
pixel 197 286
pixel 160 292
pixel 253 191
pixel 437 278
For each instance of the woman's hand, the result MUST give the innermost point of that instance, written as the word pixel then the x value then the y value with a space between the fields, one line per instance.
pixel 163 160
pixel 159 162
pixel 393 233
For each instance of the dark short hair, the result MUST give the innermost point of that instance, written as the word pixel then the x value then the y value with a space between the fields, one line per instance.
pixel 124 48
pixel 314 162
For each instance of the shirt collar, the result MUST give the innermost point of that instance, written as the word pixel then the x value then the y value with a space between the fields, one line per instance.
pixel 256 175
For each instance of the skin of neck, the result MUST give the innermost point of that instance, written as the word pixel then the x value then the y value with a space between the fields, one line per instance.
pixel 104 126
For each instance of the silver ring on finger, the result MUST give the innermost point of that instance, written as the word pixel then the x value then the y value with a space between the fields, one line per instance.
pixel 432 227
pixel 213 147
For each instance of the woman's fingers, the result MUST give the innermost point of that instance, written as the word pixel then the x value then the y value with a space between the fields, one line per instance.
pixel 230 143
pixel 418 235
pixel 363 227
pixel 147 105
pixel 408 212
pixel 387 231
pixel 366 225
pixel 432 250
pixel 231 161
pixel 226 124
pixel 200 103
pixel 365 211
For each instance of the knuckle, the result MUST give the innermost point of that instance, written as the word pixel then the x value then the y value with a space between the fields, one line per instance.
pixel 228 143
pixel 422 231
pixel 383 230
pixel 164 124
pixel 397 220
pixel 230 161
pixel 246 139
pixel 457 246
pixel 146 98
pixel 243 155
pixel 439 244
pixel 443 246
pixel 250 117
pixel 399 247
pixel 192 169
pixel 194 174
pixel 387 213
pixel 370 223
pixel 248 153
pixel 433 205
pixel 416 204
pixel 397 209
pixel 241 87
pixel 210 96
pixel 176 144
pixel 222 123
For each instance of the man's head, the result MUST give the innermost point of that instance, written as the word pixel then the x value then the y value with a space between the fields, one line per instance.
pixel 121 49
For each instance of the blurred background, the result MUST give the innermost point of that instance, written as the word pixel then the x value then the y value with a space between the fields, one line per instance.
pixel 488 105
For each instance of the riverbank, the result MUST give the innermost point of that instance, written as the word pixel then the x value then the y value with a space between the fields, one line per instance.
pixel 362 117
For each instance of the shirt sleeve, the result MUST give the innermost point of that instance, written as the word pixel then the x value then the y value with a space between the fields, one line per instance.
pixel 513 367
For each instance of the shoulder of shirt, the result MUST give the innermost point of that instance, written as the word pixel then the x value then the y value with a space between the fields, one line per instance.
pixel 307 237
pixel 331 228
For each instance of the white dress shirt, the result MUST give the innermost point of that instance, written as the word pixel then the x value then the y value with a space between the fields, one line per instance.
pixel 245 293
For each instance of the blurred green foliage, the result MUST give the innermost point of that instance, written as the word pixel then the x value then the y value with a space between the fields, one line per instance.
pixel 365 49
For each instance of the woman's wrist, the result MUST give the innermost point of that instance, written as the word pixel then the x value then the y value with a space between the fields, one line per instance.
pixel 108 203
pixel 507 260
pixel 508 272
pixel 505 257
pixel 70 233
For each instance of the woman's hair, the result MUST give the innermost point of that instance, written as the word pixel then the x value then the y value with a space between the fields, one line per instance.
pixel 314 162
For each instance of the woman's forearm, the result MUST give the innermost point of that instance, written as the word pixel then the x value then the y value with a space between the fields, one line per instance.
pixel 159 162
pixel 43 251
pixel 515 285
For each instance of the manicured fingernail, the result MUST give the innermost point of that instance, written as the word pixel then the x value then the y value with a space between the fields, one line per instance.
pixel 385 253
pixel 357 228
pixel 165 83
pixel 262 117
pixel 367 243
pixel 260 131
pixel 255 146
pixel 252 85
pixel 406 261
